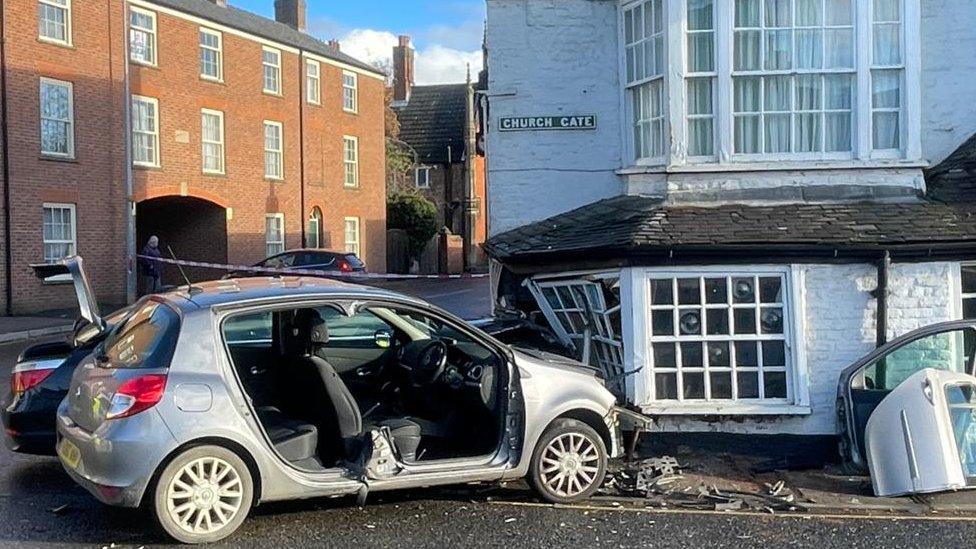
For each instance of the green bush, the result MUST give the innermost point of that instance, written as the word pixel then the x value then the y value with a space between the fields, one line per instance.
pixel 415 215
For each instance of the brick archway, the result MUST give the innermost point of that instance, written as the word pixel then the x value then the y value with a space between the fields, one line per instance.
pixel 196 229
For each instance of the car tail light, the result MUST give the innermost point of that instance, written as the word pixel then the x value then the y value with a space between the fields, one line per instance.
pixel 29 375
pixel 344 266
pixel 136 395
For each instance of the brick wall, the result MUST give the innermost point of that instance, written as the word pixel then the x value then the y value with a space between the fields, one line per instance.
pixel 94 180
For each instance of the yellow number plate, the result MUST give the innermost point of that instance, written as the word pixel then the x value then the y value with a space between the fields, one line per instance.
pixel 69 453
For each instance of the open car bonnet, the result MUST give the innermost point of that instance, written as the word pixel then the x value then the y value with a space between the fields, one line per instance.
pixel 74 267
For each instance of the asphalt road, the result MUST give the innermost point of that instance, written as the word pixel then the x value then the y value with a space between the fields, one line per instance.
pixel 41 506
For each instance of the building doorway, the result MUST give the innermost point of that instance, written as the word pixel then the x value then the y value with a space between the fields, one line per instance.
pixel 194 228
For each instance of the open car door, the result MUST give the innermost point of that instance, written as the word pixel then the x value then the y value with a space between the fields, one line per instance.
pixel 74 267
pixel 947 346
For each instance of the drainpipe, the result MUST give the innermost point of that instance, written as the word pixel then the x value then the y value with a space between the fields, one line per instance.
pixel 301 140
pixel 8 257
pixel 130 206
pixel 469 203
pixel 881 294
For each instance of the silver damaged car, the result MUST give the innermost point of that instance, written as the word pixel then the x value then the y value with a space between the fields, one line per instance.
pixel 212 398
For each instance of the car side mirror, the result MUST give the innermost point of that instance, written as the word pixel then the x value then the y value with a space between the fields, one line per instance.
pixel 383 339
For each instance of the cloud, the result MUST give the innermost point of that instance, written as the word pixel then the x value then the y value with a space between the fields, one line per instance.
pixel 439 62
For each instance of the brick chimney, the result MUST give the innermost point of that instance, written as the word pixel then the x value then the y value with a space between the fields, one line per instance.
pixel 402 70
pixel 289 12
pixel 334 45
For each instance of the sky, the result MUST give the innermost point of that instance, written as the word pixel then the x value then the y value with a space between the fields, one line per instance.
pixel 446 34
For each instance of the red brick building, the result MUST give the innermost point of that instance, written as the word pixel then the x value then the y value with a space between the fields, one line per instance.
pixel 248 136
pixel 439 124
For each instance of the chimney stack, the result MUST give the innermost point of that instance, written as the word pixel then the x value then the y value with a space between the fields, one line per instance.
pixel 334 45
pixel 289 12
pixel 402 70
pixel 221 3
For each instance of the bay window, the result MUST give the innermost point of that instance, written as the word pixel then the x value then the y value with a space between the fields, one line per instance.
pixel 644 53
pixel 768 80
pixel 720 337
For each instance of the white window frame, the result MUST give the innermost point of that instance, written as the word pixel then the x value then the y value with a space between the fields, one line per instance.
pixel 65 6
pixel 627 88
pixel 313 82
pixel 862 153
pixel 72 242
pixel 276 169
pixel 269 242
pixel 274 67
pixel 901 69
pixel 355 245
pixel 314 236
pixel 150 33
pixel 416 177
pixel 350 165
pixel 69 122
pixel 963 295
pixel 350 92
pixel 637 327
pixel 219 51
pixel 220 143
pixel 154 162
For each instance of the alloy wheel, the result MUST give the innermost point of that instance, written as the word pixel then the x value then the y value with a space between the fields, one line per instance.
pixel 569 464
pixel 205 495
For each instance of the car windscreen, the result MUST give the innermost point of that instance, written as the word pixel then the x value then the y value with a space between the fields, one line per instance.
pixel 146 340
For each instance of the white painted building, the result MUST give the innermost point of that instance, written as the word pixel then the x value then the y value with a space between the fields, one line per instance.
pixel 783 143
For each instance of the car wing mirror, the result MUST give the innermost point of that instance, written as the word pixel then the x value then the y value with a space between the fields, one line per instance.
pixel 383 339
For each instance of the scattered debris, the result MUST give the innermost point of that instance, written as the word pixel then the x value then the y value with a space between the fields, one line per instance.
pixel 662 482
pixel 510 519
pixel 60 509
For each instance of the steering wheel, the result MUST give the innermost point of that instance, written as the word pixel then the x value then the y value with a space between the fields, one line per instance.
pixel 426 361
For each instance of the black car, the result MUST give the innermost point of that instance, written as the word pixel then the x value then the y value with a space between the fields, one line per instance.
pixel 40 381
pixel 309 260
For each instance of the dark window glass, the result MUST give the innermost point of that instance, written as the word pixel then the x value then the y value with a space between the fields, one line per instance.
pixel 745 321
pixel 662 323
pixel 748 384
pixel 774 384
pixel 689 291
pixel 662 292
pixel 666 386
pixel 694 385
pixel 745 354
pixel 691 355
pixel 664 355
pixel 718 321
pixel 716 290
pixel 721 384
pixel 146 340
pixel 718 354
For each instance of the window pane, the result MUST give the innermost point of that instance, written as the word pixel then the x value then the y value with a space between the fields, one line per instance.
pixel 747 94
pixel 839 48
pixel 700 96
pixel 838 91
pixel 700 14
pixel 968 279
pixel 748 384
pixel 662 323
pixel 721 384
pixel 700 137
pixel 664 355
pixel 691 355
pixel 887 44
pixel 886 134
pixel 747 13
pixel 717 321
pixel 774 384
pixel 694 385
pixel 942 351
pixel 716 290
pixel 777 133
pixel 771 289
pixel 747 134
pixel 808 13
pixel 779 53
pixel 747 52
pixel 743 290
pixel 771 319
pixel 773 354
pixel 690 322
pixel 839 12
pixel 887 10
pixel 809 48
pixel 776 93
pixel 689 291
pixel 777 13
pixel 745 321
pixel 718 354
pixel 746 355
pixel 666 386
pixel 662 292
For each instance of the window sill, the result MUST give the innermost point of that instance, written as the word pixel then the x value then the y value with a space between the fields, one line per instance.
pixel 351 187
pixel 350 111
pixel 274 179
pixel 212 80
pixel 143 64
pixel 57 280
pixel 54 158
pixel 271 93
pixel 726 409
pixel 147 167
pixel 221 175
pixel 786 165
pixel 58 43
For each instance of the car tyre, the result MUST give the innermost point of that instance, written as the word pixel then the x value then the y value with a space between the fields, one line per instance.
pixel 569 462
pixel 203 495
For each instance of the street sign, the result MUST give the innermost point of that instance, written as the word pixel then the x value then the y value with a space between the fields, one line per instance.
pixel 531 123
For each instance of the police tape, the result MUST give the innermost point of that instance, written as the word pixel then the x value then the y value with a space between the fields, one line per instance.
pixel 308 272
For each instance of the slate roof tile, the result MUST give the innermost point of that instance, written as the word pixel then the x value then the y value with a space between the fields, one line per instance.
pixel 432 122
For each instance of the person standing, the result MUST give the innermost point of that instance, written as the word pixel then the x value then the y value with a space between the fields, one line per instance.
pixel 150 267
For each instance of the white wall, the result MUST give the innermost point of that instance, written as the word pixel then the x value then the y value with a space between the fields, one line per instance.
pixel 839 315
pixel 557 57
pixel 948 76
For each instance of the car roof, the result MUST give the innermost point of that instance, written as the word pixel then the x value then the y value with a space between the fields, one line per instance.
pixel 311 251
pixel 217 293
